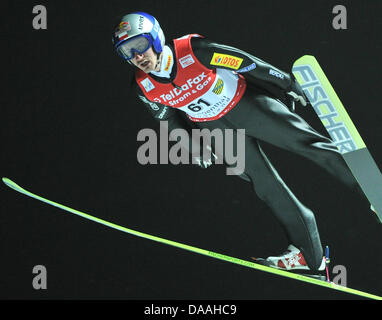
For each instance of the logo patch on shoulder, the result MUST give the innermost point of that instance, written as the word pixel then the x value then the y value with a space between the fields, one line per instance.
pixel 147 85
pixel 248 68
pixel 186 61
pixel 276 74
pixel 225 60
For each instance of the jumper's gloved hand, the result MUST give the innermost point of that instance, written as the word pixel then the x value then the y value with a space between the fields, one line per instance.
pixel 295 94
pixel 208 162
pixel 297 97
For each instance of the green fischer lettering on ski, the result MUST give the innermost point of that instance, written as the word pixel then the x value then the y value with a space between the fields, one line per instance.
pixel 341 128
pixel 211 254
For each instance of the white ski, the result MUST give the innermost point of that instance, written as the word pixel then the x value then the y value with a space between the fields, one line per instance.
pixel 341 128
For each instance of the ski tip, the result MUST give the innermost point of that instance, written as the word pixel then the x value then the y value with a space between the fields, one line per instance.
pixel 11 184
pixel 6 180
pixel 301 58
pixel 305 58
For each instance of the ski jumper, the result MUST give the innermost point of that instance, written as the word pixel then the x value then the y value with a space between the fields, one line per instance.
pixel 256 103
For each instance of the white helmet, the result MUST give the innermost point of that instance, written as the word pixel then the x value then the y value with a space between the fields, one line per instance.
pixel 136 33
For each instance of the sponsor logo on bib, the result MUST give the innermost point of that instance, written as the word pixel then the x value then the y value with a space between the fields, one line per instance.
pixel 191 86
pixel 147 85
pixel 218 87
pixel 186 61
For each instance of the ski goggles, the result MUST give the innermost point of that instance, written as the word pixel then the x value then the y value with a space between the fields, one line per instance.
pixel 139 44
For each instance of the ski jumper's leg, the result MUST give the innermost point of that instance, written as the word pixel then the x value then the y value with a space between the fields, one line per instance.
pixel 297 220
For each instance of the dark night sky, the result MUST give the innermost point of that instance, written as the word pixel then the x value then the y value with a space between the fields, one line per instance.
pixel 69 129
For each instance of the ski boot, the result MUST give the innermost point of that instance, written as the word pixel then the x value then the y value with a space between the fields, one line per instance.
pixel 293 260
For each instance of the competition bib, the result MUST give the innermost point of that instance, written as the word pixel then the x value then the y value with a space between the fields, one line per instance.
pixel 221 97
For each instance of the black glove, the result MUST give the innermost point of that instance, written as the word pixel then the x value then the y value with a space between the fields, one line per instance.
pixel 295 93
pixel 205 164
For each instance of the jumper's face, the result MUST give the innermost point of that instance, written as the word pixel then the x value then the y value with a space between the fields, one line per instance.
pixel 147 61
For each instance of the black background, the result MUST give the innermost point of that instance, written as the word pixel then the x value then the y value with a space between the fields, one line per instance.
pixel 69 124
